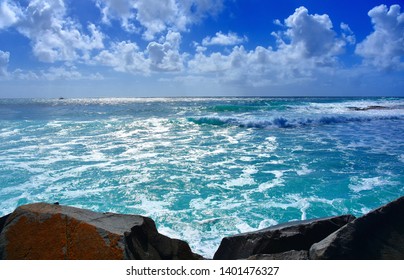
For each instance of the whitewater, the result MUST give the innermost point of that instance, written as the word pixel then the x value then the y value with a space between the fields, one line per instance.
pixel 204 168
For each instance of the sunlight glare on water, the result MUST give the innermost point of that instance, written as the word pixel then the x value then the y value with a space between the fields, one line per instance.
pixel 204 168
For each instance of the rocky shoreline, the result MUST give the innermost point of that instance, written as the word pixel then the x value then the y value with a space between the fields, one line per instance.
pixel 43 231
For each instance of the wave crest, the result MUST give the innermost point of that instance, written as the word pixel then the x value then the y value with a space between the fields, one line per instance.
pixel 282 122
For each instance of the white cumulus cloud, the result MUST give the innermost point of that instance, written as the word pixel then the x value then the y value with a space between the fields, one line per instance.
pixel 229 39
pixel 54 36
pixel 124 56
pixel 10 13
pixel 166 56
pixel 309 35
pixel 347 34
pixel 157 16
pixel 384 47
pixel 307 47
pixel 4 59
pixel 116 9
pixel 159 56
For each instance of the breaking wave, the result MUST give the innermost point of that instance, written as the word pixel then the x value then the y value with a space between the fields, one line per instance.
pixel 282 122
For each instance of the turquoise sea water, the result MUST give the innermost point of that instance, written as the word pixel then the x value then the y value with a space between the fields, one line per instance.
pixel 204 168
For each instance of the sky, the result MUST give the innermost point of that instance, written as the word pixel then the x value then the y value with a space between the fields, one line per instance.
pixel 124 48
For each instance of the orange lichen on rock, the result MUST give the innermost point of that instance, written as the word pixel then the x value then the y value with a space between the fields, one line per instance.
pixel 42 231
pixel 40 240
pixel 85 243
pixel 59 237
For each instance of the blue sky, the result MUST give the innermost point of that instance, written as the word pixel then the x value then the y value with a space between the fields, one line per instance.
pixel 85 48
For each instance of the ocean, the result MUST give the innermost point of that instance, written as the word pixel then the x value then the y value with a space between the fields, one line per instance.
pixel 204 168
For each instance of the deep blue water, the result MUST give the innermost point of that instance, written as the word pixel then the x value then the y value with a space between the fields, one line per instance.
pixel 204 168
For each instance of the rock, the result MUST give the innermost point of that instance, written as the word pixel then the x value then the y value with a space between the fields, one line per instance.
pixel 378 235
pixel 2 222
pixel 145 243
pixel 54 232
pixel 298 236
pixel 289 255
pixel 373 107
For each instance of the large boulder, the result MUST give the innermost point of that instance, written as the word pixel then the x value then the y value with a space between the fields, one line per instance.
pixel 378 235
pixel 54 232
pixel 285 237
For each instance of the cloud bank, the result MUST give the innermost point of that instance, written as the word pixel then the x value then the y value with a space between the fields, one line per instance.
pixel 304 47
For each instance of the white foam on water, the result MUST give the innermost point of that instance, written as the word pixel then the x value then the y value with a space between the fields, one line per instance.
pixel 244 227
pixel 216 205
pixel 227 134
pixel 276 182
pixel 82 193
pixel 304 170
pixel 365 210
pixel 200 203
pixel 218 151
pixel 204 243
pixel 244 179
pixel 31 167
pixel 366 184
pixel 10 204
pixel 267 223
pixel 224 163
pixel 208 221
pixel 152 207
pixel 267 147
pixel 239 182
pixel 125 133
pixel 8 132
pixel 276 162
pixel 297 148
pixel 249 170
pixel 303 205
pixel 246 159
pixel 170 232
pixel 271 139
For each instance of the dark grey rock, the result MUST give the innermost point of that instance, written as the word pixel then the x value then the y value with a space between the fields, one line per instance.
pixel 374 107
pixel 289 255
pixel 298 236
pixel 378 235
pixel 143 242
pixel 3 222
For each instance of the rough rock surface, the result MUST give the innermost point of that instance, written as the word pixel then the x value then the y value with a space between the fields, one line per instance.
pixel 289 255
pixel 53 232
pixel 145 243
pixel 281 238
pixel 377 235
pixel 3 221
